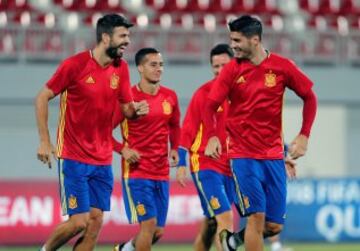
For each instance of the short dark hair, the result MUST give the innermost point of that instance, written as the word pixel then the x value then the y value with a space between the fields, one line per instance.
pixel 107 23
pixel 247 25
pixel 221 49
pixel 140 55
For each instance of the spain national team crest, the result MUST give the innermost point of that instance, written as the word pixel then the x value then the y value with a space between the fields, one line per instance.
pixel 167 109
pixel 270 79
pixel 246 202
pixel 214 203
pixel 72 201
pixel 114 81
pixel 140 209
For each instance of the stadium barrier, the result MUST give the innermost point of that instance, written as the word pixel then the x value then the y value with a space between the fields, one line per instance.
pixel 318 210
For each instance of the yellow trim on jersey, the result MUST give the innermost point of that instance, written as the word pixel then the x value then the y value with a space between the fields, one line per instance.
pixel 199 185
pixel 195 148
pixel 60 139
pixel 62 188
pixel 134 218
pixel 125 133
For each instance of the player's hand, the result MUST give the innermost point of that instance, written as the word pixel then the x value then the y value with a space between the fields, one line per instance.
pixel 174 158
pixel 181 174
pixel 131 156
pixel 213 148
pixel 290 165
pixel 141 108
pixel 298 147
pixel 44 152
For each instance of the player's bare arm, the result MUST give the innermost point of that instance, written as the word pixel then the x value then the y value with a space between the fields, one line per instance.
pixel 130 155
pixel 181 175
pixel 174 157
pixel 290 165
pixel 213 148
pixel 46 149
pixel 135 109
pixel 298 146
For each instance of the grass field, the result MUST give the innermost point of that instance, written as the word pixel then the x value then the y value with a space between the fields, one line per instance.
pixel 295 246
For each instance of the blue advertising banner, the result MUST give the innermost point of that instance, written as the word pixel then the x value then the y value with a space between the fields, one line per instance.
pixel 323 210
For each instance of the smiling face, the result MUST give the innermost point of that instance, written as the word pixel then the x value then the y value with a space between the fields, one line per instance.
pixel 243 47
pixel 151 68
pixel 117 42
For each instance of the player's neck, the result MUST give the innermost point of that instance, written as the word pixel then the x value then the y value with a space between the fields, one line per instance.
pixel 260 55
pixel 148 88
pixel 100 57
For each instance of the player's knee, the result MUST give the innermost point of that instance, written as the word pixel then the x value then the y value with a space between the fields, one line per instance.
pixel 149 226
pixel 273 228
pixel 79 225
pixel 256 221
pixel 159 232
pixel 97 218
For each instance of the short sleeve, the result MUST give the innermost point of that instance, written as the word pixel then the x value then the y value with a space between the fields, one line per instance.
pixel 62 78
pixel 125 95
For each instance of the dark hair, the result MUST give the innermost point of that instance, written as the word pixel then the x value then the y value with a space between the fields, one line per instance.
pixel 107 23
pixel 140 55
pixel 221 49
pixel 247 25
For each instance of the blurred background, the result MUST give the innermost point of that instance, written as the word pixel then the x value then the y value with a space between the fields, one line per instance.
pixel 321 36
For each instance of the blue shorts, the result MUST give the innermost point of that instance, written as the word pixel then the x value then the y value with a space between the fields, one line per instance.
pixel 83 186
pixel 145 199
pixel 261 187
pixel 216 191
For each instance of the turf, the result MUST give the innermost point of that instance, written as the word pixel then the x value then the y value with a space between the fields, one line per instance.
pixel 295 246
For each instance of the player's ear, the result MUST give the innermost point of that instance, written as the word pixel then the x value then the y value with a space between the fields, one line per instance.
pixel 105 38
pixel 140 68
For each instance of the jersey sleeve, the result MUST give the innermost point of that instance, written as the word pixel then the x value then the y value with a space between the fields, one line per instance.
pixel 175 125
pixel 118 117
pixel 297 80
pixel 222 84
pixel 62 78
pixel 191 121
pixel 125 95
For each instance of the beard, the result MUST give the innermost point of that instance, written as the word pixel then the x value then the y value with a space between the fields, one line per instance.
pixel 112 52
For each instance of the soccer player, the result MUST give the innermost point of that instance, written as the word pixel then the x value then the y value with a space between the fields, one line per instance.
pixel 212 177
pixel 255 83
pixel 91 84
pixel 145 152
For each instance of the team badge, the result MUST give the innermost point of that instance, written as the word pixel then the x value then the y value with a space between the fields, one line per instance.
pixel 167 109
pixel 220 109
pixel 214 203
pixel 90 80
pixel 140 209
pixel 72 201
pixel 270 79
pixel 114 81
pixel 246 202
pixel 241 80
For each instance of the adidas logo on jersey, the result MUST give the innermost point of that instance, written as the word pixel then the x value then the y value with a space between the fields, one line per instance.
pixel 90 80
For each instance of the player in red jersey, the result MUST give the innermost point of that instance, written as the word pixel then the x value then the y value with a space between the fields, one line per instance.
pixel 212 177
pixel 91 84
pixel 255 83
pixel 145 152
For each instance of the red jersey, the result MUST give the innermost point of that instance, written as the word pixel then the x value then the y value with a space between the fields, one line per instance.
pixel 150 134
pixel 256 93
pixel 194 133
pixel 89 94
